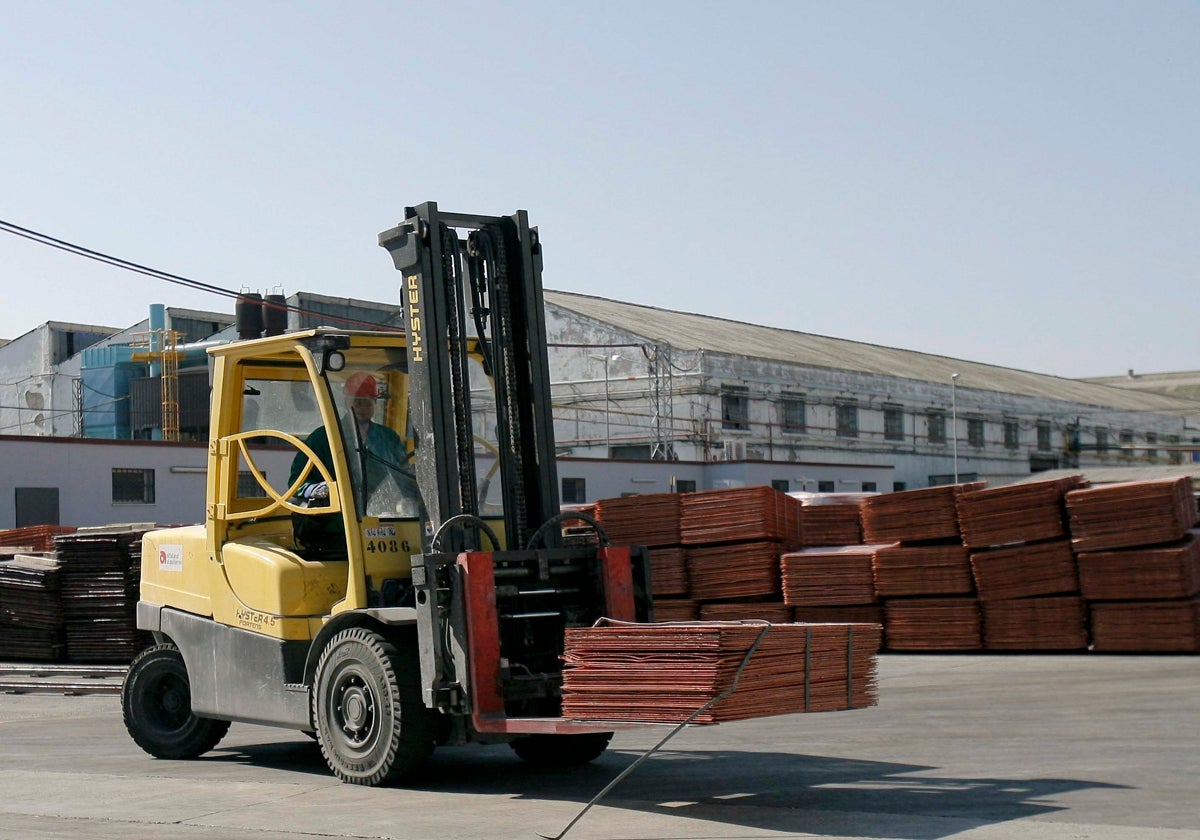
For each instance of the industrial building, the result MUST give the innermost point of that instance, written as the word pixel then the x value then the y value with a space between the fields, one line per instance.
pixel 646 400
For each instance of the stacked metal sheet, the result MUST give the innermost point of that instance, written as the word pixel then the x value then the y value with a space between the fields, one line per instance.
pixel 736 570
pixel 849 614
pixel 34 538
pixel 651 519
pixel 1131 513
pixel 773 612
pixel 914 515
pixel 676 609
pixel 831 520
pixel 742 514
pixel 1024 571
pixel 1051 623
pixel 31 618
pixel 902 570
pixel 1016 513
pixel 666 673
pixel 99 571
pixel 1147 626
pixel 1145 573
pixel 951 623
pixel 830 576
pixel 668 571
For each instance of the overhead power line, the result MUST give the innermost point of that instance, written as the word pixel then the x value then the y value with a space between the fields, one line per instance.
pixel 167 277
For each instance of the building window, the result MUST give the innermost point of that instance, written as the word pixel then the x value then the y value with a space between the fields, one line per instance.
pixel 1151 453
pixel 1012 433
pixel 792 413
pixel 132 486
pixel 1174 454
pixel 1101 440
pixel 1043 436
pixel 936 420
pixel 975 432
pixel 685 485
pixel 735 407
pixel 824 486
pixel 898 486
pixel 1125 436
pixel 574 491
pixel 893 422
pixel 781 484
pixel 847 418
pixel 248 486
pixel 869 486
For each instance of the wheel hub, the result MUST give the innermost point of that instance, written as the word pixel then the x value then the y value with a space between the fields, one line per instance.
pixel 356 711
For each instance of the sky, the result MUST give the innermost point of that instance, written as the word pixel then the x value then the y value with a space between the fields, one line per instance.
pixel 1015 183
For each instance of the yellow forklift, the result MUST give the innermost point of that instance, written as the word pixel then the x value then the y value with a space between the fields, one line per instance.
pixel 408 583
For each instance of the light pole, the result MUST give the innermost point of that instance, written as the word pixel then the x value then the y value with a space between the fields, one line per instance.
pixel 954 420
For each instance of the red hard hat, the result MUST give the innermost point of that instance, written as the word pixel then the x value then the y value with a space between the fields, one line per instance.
pixel 362 385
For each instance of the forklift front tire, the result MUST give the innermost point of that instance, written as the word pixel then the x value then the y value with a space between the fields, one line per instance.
pixel 370 721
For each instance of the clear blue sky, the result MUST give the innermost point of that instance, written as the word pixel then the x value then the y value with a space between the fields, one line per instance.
pixel 1015 183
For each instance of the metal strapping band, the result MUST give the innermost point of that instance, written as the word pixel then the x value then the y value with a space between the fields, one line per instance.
pixel 807 667
pixel 850 669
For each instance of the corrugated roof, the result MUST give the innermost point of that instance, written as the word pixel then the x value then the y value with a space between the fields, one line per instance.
pixel 1182 384
pixel 689 331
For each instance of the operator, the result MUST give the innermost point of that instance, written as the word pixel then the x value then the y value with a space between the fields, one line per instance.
pixel 372 449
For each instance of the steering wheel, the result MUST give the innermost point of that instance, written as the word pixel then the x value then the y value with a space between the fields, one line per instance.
pixel 282 500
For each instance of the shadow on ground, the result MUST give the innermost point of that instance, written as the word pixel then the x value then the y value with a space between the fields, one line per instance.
pixel 775 791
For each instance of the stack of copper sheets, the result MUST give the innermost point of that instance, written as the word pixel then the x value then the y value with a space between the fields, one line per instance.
pixel 830 523
pixel 1016 513
pixel 1131 513
pixel 99 573
pixel 1053 623
pixel 676 609
pixel 922 570
pixel 738 570
pixel 774 612
pixel 577 530
pixel 31 619
pixel 1147 626
pixel 34 538
pixel 746 513
pixel 666 673
pixel 1023 571
pixel 933 624
pixel 849 614
pixel 830 576
pixel 650 519
pixel 914 515
pixel 1148 573
pixel 668 571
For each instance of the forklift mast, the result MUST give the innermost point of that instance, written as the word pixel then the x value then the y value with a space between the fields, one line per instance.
pixel 472 287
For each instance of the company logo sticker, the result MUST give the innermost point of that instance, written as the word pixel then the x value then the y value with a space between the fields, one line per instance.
pixel 170 558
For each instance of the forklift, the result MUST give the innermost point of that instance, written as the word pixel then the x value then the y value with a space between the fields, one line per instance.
pixel 409 583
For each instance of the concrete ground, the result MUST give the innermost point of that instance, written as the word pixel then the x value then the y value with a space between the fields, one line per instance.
pixel 1084 747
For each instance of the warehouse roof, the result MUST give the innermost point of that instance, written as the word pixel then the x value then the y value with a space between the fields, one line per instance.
pixel 1183 384
pixel 689 331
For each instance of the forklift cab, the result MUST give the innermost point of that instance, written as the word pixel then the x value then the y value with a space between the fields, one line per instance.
pixel 338 403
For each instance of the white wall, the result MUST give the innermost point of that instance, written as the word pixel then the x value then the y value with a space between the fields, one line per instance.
pixel 82 472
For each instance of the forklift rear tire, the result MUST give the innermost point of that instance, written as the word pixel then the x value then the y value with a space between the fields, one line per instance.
pixel 370 721
pixel 156 703
pixel 561 750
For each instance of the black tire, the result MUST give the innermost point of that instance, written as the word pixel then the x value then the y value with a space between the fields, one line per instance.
pixel 371 723
pixel 561 750
pixel 156 703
